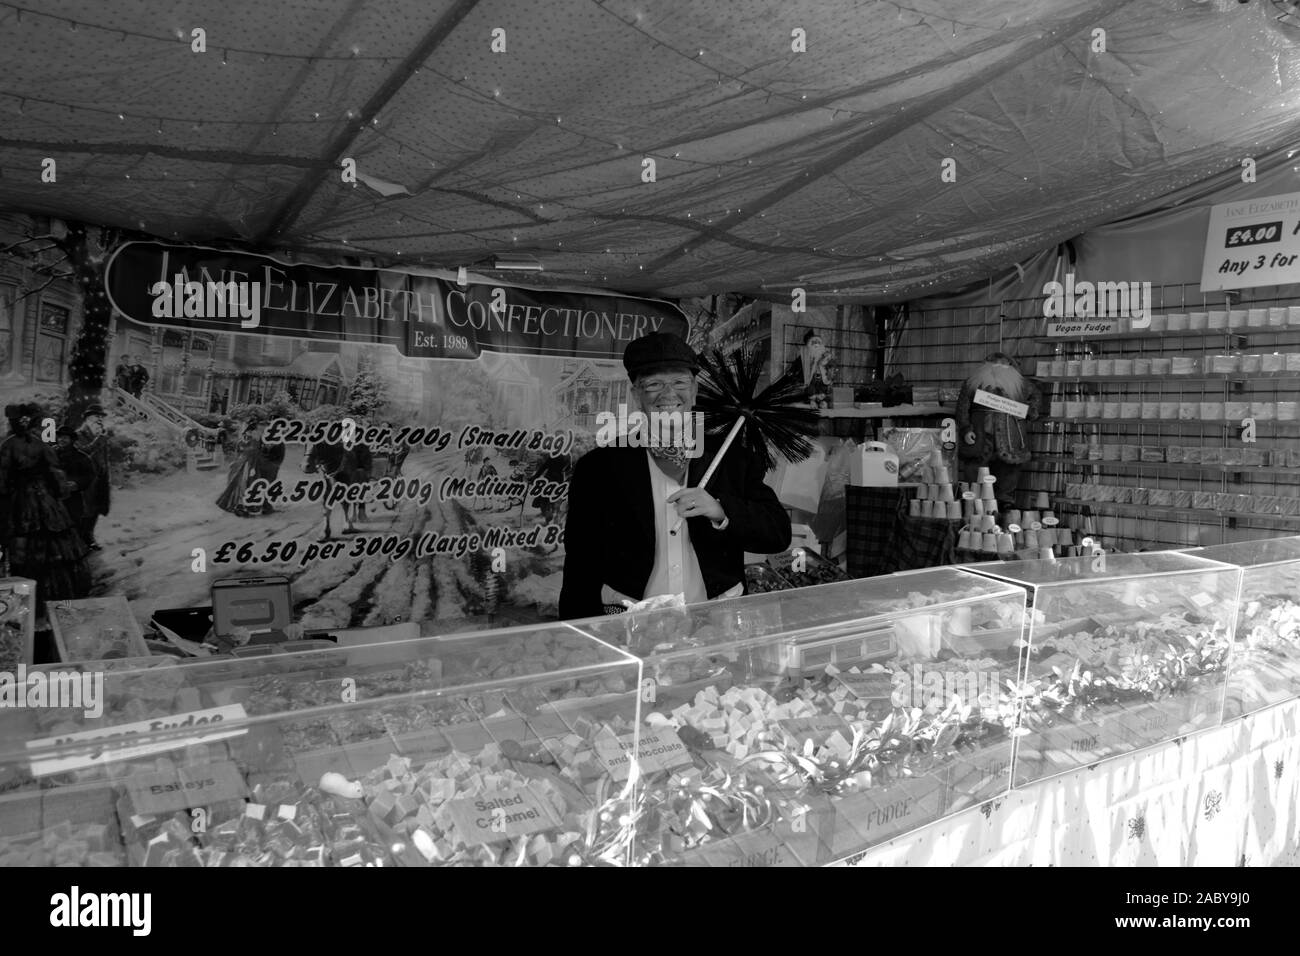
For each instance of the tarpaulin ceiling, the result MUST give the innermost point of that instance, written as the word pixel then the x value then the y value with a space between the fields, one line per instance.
pixel 773 168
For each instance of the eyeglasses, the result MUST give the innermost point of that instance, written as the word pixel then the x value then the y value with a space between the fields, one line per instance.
pixel 654 386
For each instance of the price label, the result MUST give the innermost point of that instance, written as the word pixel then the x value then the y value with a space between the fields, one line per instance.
pixel 875 686
pixel 1050 522
pixel 1036 526
pixel 199 786
pixel 660 749
pixel 745 849
pixel 1253 235
pixel 1014 528
pixel 498 815
pixel 968 496
pixel 817 729
pixel 989 479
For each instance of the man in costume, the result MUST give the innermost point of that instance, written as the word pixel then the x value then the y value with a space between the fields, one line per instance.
pixel 92 440
pixel 639 525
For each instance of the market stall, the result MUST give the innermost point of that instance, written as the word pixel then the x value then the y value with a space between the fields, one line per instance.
pixel 861 721
pixel 299 385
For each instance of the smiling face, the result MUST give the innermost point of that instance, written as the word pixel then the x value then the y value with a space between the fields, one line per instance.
pixel 665 390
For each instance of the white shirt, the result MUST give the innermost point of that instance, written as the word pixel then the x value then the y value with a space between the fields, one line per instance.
pixel 676 569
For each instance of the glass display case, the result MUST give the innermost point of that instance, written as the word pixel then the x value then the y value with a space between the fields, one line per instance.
pixel 505 747
pixel 803 727
pixel 1124 651
pixel 1265 665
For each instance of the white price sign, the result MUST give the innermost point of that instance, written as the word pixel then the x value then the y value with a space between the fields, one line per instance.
pixel 1251 243
pixel 1000 404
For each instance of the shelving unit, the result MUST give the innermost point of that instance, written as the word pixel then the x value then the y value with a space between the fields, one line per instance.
pixel 894 411
pixel 1132 527
pixel 1143 511
pixel 1270 427
pixel 1172 379
pixel 1169 468
pixel 1245 333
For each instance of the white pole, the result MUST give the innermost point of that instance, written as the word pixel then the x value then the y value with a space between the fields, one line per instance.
pixel 713 465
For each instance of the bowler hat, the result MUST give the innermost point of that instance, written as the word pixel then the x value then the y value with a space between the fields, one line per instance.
pixel 658 350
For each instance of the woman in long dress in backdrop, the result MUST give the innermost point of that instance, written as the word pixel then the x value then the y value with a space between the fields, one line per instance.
pixel 243 471
pixel 38 535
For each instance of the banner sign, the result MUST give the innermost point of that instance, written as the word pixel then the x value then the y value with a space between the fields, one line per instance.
pixel 1000 403
pixel 211 290
pixel 398 447
pixel 1254 242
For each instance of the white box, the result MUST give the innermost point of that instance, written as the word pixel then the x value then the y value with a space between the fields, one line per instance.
pixel 873 465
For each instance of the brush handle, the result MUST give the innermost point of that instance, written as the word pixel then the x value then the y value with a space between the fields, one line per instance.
pixel 717 459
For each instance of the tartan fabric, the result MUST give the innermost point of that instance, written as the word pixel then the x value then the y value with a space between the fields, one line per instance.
pixel 884 538
pixel 872 518
pixel 923 543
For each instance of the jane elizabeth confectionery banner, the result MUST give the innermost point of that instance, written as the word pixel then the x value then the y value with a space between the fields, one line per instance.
pixel 398 445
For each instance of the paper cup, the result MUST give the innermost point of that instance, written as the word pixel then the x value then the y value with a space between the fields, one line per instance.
pixel 990 543
pixel 1031 517
pixel 1013 516
pixel 945 493
pixel 1043 501
pixel 954 510
pixel 965 540
pixel 914 508
pixel 1006 544
pixel 1031 538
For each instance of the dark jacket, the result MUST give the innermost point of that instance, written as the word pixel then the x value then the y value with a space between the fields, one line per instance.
pixel 609 537
pixel 81 472
pixel 99 494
